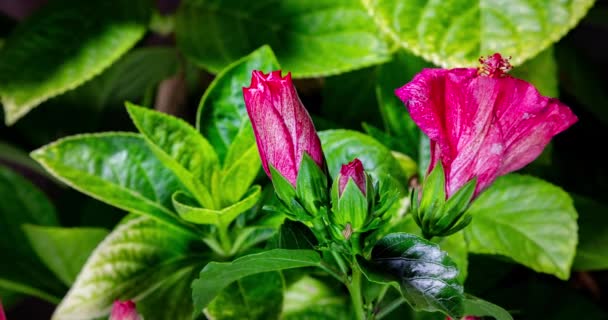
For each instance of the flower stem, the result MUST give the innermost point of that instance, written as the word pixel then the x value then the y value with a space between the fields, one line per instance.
pixel 355 293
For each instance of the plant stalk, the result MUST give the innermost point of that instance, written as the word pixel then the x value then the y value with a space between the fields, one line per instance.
pixel 355 293
pixel 225 241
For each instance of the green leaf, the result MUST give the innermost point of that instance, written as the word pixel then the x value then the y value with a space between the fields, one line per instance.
pixel 309 298
pixel 541 71
pixel 397 121
pixel 342 146
pixel 188 210
pixel 70 41
pixel 457 33
pixel 138 257
pixel 258 296
pixel 310 38
pixel 294 235
pixel 116 168
pixel 241 165
pixel 64 250
pixel 12 155
pixel 126 80
pixel 477 307
pixel 180 148
pixel 591 252
pixel 456 247
pixel 425 275
pixel 527 219
pixel 217 276
pixel 22 203
pixel 221 112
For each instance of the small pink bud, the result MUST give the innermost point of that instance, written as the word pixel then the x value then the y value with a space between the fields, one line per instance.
pixel 283 128
pixel 2 315
pixel 353 170
pixel 124 310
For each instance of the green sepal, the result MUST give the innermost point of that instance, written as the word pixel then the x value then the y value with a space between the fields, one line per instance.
pixel 433 197
pixel 312 189
pixel 284 190
pixel 455 209
pixel 351 207
pixel 187 209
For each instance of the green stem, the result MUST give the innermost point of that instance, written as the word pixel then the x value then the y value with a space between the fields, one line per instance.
pixel 390 308
pixel 340 262
pixel 355 293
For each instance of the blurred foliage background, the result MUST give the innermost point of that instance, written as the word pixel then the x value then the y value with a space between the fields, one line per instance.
pixel 66 67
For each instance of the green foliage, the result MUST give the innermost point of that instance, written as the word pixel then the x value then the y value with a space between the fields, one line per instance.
pixel 528 220
pixel 117 168
pixel 64 250
pixel 217 276
pixel 92 35
pixel 221 113
pixel 425 275
pixel 138 257
pixel 591 251
pixel 342 146
pixel 310 38
pixel 22 203
pixel 258 296
pixel 309 298
pixel 457 33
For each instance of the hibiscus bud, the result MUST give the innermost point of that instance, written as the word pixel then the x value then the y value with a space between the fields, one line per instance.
pixel 353 170
pixel 482 124
pixel 288 143
pixel 352 200
pixel 124 310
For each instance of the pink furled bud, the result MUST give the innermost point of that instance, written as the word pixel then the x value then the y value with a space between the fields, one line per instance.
pixel 353 170
pixel 124 310
pixel 2 315
pixel 482 123
pixel 283 128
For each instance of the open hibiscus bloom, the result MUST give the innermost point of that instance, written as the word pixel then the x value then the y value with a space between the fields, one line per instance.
pixel 482 122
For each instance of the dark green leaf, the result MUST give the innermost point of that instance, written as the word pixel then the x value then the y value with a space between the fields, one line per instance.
pixel 527 219
pixel 476 307
pixel 311 38
pixel 425 274
pixel 22 203
pixel 117 168
pixel 216 276
pixel 221 112
pixel 591 253
pixel 457 33
pixel 126 80
pixel 64 250
pixel 139 256
pixel 295 235
pixel 70 41
pixel 258 296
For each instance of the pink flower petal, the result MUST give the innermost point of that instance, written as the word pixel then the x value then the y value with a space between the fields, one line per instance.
pixel 124 310
pixel 482 123
pixel 352 170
